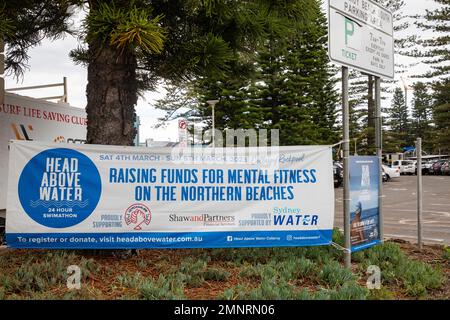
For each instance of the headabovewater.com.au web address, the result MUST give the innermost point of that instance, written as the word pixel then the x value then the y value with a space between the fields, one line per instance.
pixel 106 239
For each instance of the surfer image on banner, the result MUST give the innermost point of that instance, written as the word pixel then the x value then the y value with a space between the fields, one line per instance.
pixel 357 226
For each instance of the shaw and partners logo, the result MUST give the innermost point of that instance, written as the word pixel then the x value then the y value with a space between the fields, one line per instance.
pixel 138 215
pixel 59 188
pixel 205 219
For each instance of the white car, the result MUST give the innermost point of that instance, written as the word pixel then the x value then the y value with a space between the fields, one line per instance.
pixel 390 173
pixel 426 166
pixel 405 166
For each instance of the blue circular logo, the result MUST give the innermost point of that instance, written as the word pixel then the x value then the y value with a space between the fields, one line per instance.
pixel 59 188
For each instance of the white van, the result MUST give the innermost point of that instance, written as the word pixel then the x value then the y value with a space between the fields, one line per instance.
pixel 405 166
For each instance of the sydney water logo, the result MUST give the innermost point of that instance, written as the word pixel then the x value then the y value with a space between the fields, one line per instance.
pixel 59 187
pixel 288 216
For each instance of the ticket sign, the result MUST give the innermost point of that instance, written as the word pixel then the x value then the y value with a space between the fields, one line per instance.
pixel 361 36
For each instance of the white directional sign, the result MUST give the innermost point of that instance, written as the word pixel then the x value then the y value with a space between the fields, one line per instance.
pixel 361 36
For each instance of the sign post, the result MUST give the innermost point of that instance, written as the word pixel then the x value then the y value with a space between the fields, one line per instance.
pixel 360 36
pixel 419 191
pixel 345 125
pixel 379 151
pixel 2 71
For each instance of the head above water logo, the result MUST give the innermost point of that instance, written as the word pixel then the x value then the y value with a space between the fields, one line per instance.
pixel 59 188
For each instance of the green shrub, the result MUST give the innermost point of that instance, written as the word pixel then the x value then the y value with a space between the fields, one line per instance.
pixel 216 274
pixel 250 272
pixel 350 291
pixel 38 273
pixel 271 289
pixel 446 253
pixel 333 274
pixel 303 294
pixel 418 277
pixel 305 267
pixel 130 280
pixel 338 237
pixel 381 294
pixel 238 292
pixel 415 289
pixel 164 288
pixel 193 271
pixel 142 264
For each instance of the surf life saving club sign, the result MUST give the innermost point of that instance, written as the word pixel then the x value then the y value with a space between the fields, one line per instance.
pixel 361 36
pixel 90 196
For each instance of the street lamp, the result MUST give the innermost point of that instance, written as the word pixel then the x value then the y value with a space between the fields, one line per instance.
pixel 213 103
pixel 406 88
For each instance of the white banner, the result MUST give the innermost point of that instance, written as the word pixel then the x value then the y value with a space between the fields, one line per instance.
pixel 92 196
pixel 24 118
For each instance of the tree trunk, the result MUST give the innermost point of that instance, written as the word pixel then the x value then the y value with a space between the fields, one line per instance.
pixel 111 95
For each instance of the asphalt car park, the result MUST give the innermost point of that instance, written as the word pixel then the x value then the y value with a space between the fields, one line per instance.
pixel 399 202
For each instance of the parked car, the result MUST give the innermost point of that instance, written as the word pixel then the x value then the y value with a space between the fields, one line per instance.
pixel 405 166
pixel 445 168
pixel 426 167
pixel 390 173
pixel 338 174
pixel 436 167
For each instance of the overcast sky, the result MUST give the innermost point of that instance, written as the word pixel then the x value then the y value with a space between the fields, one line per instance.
pixel 50 62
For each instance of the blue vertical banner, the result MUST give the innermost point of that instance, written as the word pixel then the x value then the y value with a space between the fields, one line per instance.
pixel 364 202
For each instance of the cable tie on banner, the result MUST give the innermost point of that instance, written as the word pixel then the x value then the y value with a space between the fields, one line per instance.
pixel 339 247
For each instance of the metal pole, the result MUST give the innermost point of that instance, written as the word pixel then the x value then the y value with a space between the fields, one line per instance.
pixel 346 147
pixel 214 125
pixel 379 150
pixel 65 89
pixel 419 191
pixel 2 70
pixel 212 103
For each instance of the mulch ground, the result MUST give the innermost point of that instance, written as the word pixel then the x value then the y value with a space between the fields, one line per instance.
pixel 160 261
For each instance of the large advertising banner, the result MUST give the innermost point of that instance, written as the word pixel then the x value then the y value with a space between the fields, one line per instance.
pixel 92 196
pixel 364 202
pixel 24 118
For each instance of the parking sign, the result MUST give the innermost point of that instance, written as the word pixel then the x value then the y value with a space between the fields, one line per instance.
pixel 361 36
